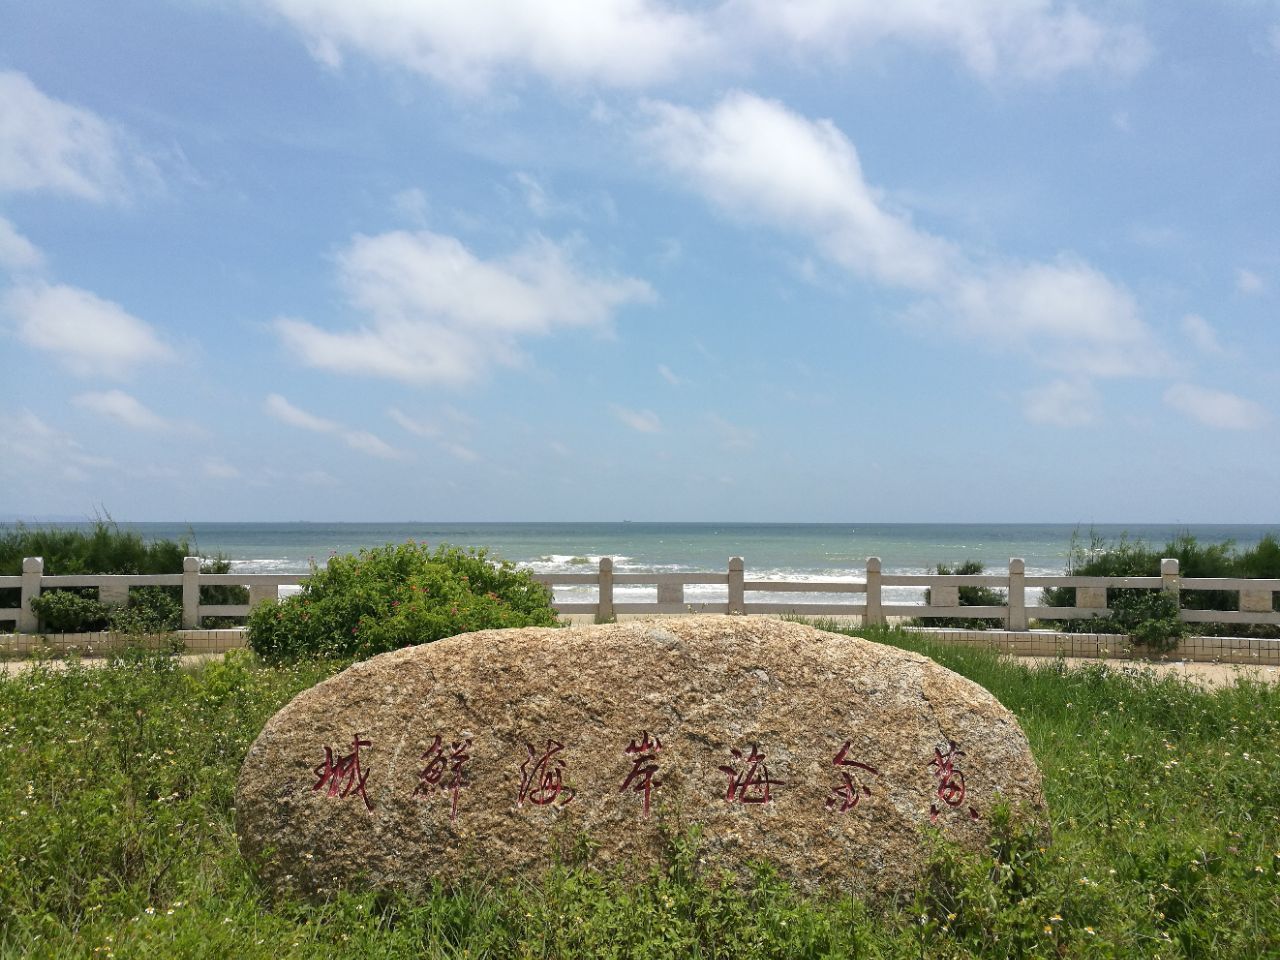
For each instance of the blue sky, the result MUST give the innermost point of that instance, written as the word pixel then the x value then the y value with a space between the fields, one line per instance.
pixel 985 260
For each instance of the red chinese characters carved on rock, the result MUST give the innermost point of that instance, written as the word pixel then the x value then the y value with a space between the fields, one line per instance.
pixel 432 777
pixel 643 767
pixel 752 784
pixel 951 788
pixel 343 776
pixel 542 777
pixel 848 793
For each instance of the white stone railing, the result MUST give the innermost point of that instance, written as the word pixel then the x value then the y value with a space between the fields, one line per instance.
pixel 114 589
pixel 1255 596
pixel 1255 603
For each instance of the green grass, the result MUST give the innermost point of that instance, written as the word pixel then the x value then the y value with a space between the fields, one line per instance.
pixel 116 838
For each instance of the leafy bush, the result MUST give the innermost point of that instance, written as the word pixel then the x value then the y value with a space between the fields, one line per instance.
pixel 969 597
pixel 65 611
pixel 396 596
pixel 1149 617
pixel 1133 558
pixel 149 610
pixel 106 548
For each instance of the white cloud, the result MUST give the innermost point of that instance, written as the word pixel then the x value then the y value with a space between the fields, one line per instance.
pixel 635 43
pixel 419 428
pixel 413 205
pixel 461 452
pixel 89 335
pixel 669 375
pixel 217 468
pixel 622 43
pixel 1249 283
pixel 535 195
pixel 1201 334
pixel 284 411
pixel 1062 403
pixel 644 421
pixel 123 408
pixel 46 144
pixel 1027 38
pixel 369 443
pixel 29 448
pixel 1216 408
pixel 761 163
pixel 361 440
pixel 436 313
pixel 16 251
pixel 732 436
pixel 1066 314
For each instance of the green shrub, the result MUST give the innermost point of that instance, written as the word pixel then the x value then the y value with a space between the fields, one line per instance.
pixel 395 596
pixel 969 597
pixel 1133 558
pixel 65 611
pixel 1149 617
pixel 106 548
pixel 149 610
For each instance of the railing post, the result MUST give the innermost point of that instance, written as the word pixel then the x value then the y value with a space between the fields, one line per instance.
pixel 190 593
pixel 874 616
pixel 32 571
pixel 669 593
pixel 737 593
pixel 1170 581
pixel 1017 619
pixel 604 609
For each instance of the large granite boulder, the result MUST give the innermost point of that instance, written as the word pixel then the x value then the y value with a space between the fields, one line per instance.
pixel 489 754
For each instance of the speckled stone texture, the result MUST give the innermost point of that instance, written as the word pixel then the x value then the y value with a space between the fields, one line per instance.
pixel 827 756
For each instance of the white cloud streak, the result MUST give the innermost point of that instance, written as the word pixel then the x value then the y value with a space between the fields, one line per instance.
pixel 1201 334
pixel 1033 39
pixel 760 163
pixel 1062 403
pixel 49 145
pixel 31 448
pixel 438 314
pixel 123 408
pixel 89 335
pixel 360 440
pixel 621 43
pixel 1249 283
pixel 641 43
pixel 1216 408
pixel 642 421
pixel 17 253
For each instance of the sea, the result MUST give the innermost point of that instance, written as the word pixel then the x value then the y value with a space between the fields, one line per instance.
pixel 771 551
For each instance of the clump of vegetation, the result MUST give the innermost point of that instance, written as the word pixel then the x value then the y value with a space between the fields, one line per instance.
pixel 68 611
pixel 150 610
pixel 104 547
pixel 1153 614
pixel 117 838
pixel 969 597
pixel 395 596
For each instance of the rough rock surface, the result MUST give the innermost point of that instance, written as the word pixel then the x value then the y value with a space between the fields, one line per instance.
pixel 827 756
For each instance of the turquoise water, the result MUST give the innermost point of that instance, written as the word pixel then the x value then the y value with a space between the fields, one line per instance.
pixel 771 551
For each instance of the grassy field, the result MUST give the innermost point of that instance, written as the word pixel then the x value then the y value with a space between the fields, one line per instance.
pixel 116 839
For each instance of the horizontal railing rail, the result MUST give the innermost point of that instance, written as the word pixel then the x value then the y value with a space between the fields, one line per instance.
pixel 1254 604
